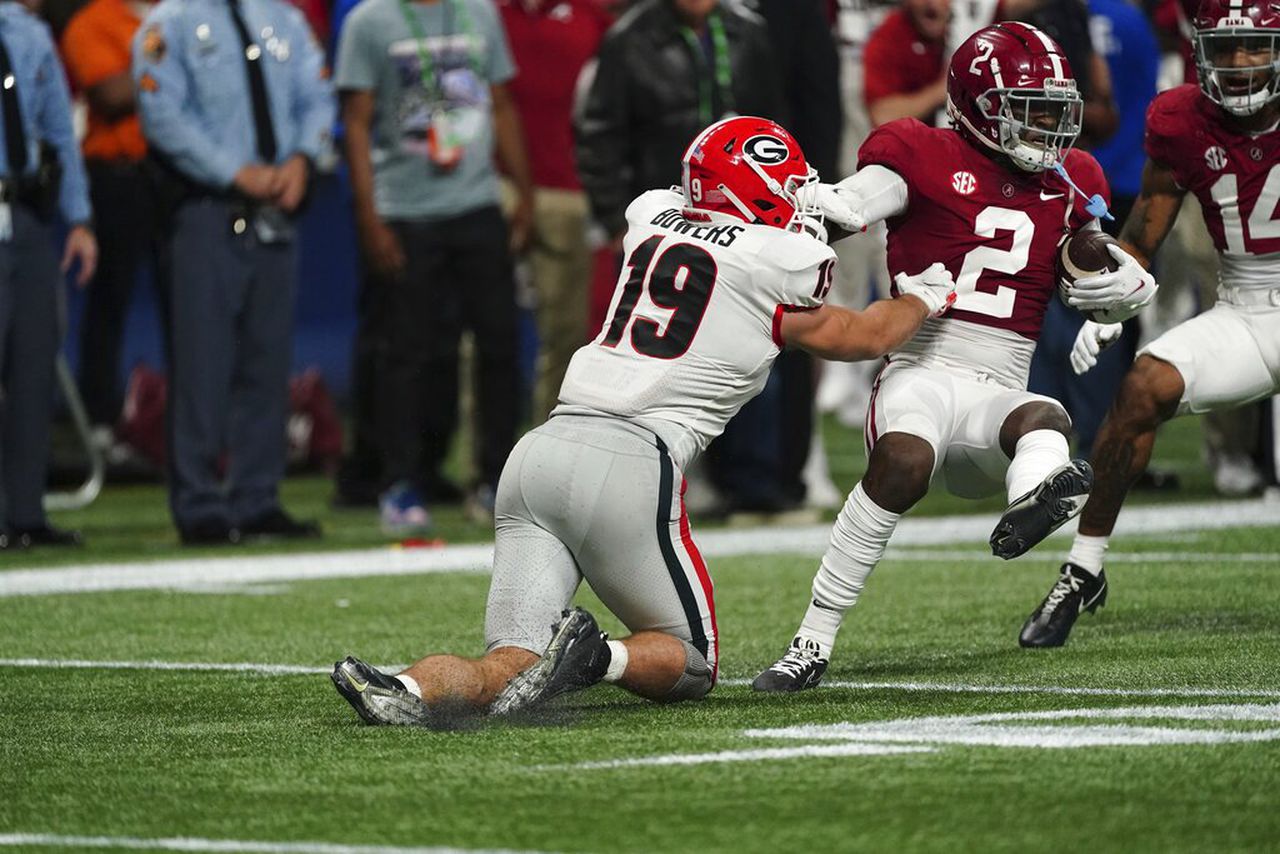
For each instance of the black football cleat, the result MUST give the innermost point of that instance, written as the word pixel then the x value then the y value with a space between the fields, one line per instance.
pixel 1043 510
pixel 802 667
pixel 379 699
pixel 576 658
pixel 1074 592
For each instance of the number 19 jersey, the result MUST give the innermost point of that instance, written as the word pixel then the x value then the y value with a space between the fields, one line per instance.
pixel 694 324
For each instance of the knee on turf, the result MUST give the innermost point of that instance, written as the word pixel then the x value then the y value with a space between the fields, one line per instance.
pixel 696 681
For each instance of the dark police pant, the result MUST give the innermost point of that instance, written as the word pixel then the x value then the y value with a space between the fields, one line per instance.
pixel 29 281
pixel 458 276
pixel 123 196
pixel 231 342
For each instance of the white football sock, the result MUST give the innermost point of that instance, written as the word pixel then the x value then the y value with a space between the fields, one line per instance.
pixel 617 661
pixel 1088 552
pixel 857 543
pixel 410 684
pixel 1036 455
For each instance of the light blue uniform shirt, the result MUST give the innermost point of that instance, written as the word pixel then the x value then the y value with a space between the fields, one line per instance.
pixel 193 85
pixel 45 106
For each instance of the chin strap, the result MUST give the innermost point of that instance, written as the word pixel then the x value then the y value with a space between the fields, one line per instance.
pixel 1096 206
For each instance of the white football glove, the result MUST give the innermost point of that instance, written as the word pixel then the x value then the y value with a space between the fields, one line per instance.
pixel 1092 340
pixel 933 286
pixel 835 206
pixel 1120 294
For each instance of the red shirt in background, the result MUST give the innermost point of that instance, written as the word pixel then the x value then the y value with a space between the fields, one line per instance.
pixel 1175 17
pixel 550 40
pixel 898 61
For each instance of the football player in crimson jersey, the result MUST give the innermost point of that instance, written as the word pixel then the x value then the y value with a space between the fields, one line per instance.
pixel 718 278
pixel 1220 142
pixel 991 200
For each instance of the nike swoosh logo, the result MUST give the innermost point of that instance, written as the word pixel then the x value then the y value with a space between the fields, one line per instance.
pixel 1045 197
pixel 357 684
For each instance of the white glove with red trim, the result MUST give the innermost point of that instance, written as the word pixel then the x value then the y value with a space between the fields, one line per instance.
pixel 1119 294
pixel 1092 339
pixel 933 286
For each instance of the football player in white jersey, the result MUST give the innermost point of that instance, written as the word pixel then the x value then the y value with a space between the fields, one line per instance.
pixel 718 277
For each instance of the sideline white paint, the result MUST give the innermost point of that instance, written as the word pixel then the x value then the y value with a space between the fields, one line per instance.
pixel 921 687
pixel 809 540
pixel 184 843
pixel 1003 729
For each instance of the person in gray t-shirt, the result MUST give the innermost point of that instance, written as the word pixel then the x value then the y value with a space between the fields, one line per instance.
pixel 425 109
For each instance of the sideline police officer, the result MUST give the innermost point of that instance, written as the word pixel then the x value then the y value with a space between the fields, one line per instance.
pixel 235 103
pixel 41 174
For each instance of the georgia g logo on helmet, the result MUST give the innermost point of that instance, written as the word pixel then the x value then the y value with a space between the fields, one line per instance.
pixel 766 150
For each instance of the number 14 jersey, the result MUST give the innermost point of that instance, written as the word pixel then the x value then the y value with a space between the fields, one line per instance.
pixel 1232 173
pixel 693 326
pixel 996 228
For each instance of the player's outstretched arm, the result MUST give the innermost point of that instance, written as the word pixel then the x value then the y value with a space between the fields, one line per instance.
pixel 871 194
pixel 1153 214
pixel 842 335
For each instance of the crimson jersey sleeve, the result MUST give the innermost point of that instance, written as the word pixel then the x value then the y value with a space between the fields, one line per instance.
pixel 1168 128
pixel 1088 175
pixel 895 146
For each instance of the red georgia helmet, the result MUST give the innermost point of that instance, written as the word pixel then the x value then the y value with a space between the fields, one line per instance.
pixel 751 168
pixel 1226 29
pixel 1001 84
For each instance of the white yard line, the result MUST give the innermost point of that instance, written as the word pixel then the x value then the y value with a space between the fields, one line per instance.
pixel 245 569
pixel 184 843
pixel 919 687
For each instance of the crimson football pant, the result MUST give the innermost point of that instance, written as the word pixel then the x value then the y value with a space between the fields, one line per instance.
pixel 458 277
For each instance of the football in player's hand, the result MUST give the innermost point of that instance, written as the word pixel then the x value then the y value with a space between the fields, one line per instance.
pixel 1082 255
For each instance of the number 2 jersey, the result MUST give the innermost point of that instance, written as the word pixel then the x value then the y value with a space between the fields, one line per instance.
pixel 1233 174
pixel 996 228
pixel 693 326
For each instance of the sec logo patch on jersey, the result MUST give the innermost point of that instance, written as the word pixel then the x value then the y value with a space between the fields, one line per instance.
pixel 1216 157
pixel 964 183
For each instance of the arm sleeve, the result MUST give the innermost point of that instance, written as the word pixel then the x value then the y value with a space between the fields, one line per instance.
pixel 880 68
pixel 88 60
pixel 876 192
pixel 500 65
pixel 313 104
pixel 1160 138
pixel 167 127
pixel 603 137
pixel 53 122
pixel 354 68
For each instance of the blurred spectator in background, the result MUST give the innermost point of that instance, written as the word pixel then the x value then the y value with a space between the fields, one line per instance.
pixel 41 175
pixel 95 47
pixel 667 69
pixel 234 99
pixel 904 64
pixel 758 463
pixel 424 105
pixel 1067 23
pixel 551 40
pixel 1122 35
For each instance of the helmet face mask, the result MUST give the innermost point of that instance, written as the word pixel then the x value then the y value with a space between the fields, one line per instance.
pixel 1237 47
pixel 1238 67
pixel 1037 126
pixel 753 169
pixel 1010 90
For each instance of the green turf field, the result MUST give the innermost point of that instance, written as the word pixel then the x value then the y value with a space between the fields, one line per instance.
pixel 136 744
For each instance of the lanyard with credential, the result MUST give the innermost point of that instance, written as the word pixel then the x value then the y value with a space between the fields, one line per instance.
pixel 426 67
pixel 723 70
